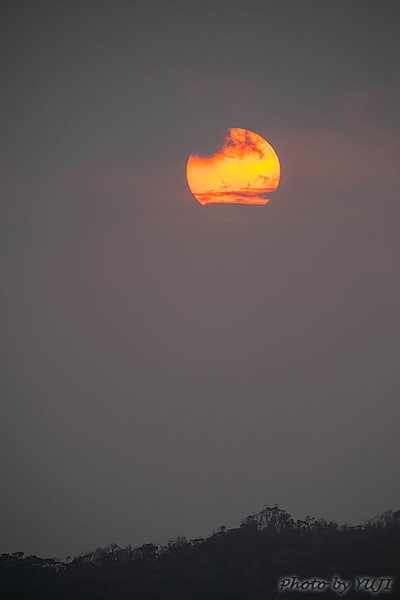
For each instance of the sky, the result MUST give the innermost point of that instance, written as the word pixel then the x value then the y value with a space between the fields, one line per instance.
pixel 168 367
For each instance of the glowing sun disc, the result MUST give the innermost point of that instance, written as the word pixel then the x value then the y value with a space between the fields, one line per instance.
pixel 243 171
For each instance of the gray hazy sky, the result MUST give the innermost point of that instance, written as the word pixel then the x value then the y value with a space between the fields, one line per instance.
pixel 171 367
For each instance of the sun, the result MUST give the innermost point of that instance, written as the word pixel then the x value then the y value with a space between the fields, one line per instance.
pixel 243 171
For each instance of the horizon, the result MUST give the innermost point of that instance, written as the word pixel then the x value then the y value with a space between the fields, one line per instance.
pixel 296 522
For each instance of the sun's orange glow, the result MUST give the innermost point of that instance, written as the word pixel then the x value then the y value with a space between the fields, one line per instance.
pixel 244 171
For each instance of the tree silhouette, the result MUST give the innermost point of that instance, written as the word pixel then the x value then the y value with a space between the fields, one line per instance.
pixel 243 563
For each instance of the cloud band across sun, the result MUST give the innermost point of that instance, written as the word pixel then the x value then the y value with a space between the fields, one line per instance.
pixel 244 171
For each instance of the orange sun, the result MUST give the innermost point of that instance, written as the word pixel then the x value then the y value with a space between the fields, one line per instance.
pixel 244 171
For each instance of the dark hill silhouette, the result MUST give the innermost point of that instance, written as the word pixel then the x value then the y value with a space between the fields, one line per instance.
pixel 244 563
